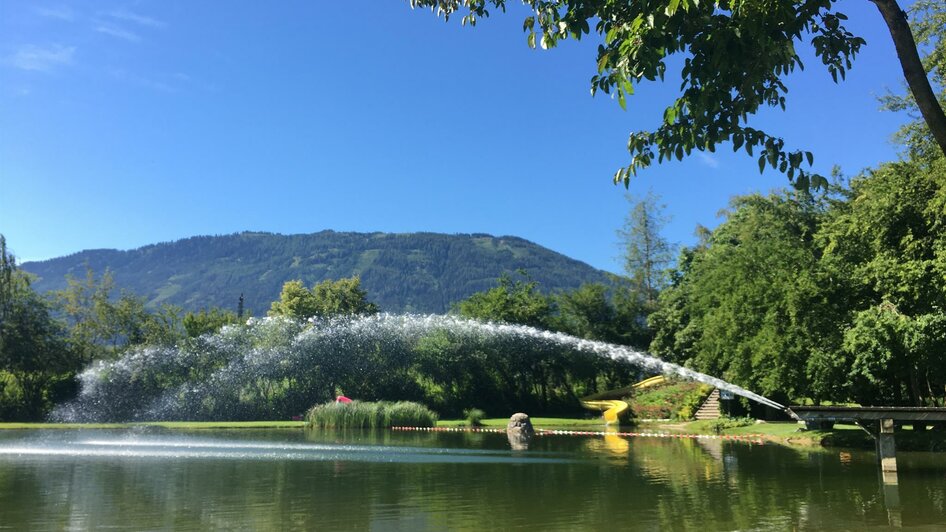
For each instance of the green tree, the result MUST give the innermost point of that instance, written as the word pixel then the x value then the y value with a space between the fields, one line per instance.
pixel 35 363
pixel 88 313
pixel 612 314
pixel 836 298
pixel 737 54
pixel 887 248
pixel 647 254
pixel 896 358
pixel 100 326
pixel 164 325
pixel 751 305
pixel 343 297
pixel 208 321
pixel 511 301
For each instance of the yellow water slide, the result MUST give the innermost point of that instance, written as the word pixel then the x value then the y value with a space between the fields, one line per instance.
pixel 613 408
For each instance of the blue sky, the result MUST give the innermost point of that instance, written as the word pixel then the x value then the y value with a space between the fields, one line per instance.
pixel 129 123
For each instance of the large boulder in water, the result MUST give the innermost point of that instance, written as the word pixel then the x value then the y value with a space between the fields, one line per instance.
pixel 519 430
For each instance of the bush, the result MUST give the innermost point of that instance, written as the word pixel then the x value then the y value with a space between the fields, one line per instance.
pixel 674 400
pixel 693 400
pixel 724 423
pixel 367 415
pixel 474 416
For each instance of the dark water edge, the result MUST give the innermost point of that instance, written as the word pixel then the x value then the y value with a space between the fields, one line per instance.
pixel 290 479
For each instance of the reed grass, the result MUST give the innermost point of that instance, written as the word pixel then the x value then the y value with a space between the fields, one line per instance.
pixel 368 415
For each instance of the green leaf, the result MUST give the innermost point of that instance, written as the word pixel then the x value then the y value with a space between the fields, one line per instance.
pixel 794 159
pixel 531 40
pixel 802 182
pixel 670 114
pixel 818 181
pixel 619 175
pixel 602 62
pixel 772 155
pixel 672 7
pixel 761 162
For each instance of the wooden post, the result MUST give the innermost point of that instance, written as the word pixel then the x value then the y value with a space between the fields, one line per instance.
pixel 892 503
pixel 887 451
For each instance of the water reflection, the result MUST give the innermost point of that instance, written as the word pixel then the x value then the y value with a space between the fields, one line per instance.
pixel 450 481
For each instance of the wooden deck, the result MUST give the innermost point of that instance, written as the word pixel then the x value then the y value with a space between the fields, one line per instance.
pixel 856 414
pixel 879 421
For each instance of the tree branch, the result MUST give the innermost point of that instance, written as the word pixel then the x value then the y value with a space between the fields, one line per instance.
pixel 913 69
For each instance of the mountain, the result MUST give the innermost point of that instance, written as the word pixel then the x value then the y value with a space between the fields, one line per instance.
pixel 414 272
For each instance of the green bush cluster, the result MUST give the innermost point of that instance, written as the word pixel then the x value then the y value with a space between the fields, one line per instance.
pixel 693 400
pixel 369 415
pixel 676 400
pixel 474 417
pixel 725 423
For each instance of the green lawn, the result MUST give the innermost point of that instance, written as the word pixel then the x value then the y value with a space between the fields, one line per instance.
pixel 177 425
pixel 788 429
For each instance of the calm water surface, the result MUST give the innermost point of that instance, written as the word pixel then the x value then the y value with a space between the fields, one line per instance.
pixel 289 479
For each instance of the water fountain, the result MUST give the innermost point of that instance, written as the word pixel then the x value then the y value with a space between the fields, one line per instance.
pixel 215 373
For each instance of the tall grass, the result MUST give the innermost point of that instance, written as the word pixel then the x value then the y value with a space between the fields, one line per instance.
pixel 366 415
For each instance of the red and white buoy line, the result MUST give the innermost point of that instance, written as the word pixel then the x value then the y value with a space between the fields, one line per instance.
pixel 450 429
pixel 748 438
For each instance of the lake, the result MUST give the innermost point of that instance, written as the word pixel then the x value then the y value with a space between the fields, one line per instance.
pixel 291 479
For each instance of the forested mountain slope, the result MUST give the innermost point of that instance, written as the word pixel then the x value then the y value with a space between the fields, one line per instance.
pixel 416 272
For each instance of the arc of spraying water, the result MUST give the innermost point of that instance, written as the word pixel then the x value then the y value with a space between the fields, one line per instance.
pixel 105 384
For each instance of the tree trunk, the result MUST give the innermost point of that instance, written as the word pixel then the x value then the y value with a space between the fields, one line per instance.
pixel 913 70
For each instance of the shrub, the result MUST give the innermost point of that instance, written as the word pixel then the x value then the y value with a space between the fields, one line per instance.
pixel 693 400
pixel 474 416
pixel 367 415
pixel 675 400
pixel 723 423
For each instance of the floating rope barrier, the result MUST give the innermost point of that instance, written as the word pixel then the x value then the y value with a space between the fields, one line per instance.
pixel 450 429
pixel 757 439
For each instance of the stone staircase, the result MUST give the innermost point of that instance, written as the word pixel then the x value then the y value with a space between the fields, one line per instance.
pixel 710 407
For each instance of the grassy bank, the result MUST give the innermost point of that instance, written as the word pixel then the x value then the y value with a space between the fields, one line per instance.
pixel 785 433
pixel 174 425
pixel 790 433
pixel 852 436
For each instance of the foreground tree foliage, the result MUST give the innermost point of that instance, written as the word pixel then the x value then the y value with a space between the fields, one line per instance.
pixel 737 54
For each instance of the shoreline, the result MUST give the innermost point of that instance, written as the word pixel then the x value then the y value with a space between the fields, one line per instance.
pixel 782 433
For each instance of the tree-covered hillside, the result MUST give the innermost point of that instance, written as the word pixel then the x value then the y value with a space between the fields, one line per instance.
pixel 417 272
